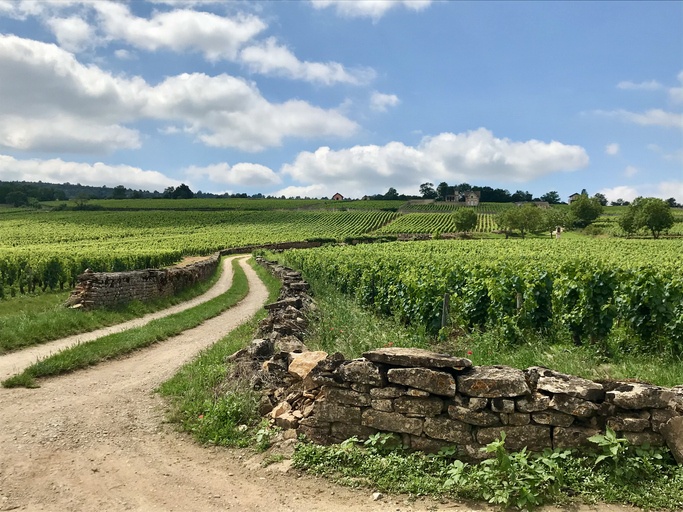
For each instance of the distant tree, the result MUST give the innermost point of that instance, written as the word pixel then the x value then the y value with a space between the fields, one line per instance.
pixel 16 198
pixel 442 190
pixel 649 213
pixel 391 194
pixel 601 198
pixel 672 202
pixel 526 218
pixel 628 222
pixel 465 219
pixel 427 191
pixel 119 192
pixel 553 218
pixel 137 194
pixel 521 196
pixel 183 192
pixel 168 193
pixel 551 197
pixel 464 187
pixel 585 210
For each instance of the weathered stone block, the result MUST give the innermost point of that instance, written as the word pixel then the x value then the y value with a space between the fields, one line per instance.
pixel 343 431
pixel 302 363
pixel 515 418
pixel 387 392
pixel 319 435
pixel 640 396
pixel 647 437
pixel 574 406
pixel 438 383
pixel 622 424
pixel 425 444
pixel 361 371
pixel 556 419
pixel 493 382
pixel 448 430
pixel 326 411
pixel 534 437
pixel 391 422
pixel 479 418
pixel 413 406
pixel 672 432
pixel 416 357
pixel 543 379
pixel 382 404
pixel 346 396
pixel 477 403
pixel 573 437
pixel 502 405
pixel 417 393
pixel 660 417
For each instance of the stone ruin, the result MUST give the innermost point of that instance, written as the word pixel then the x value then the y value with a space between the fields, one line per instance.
pixel 436 400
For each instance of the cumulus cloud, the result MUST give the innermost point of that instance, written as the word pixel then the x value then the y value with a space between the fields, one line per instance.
pixel 54 96
pixel 381 102
pixel 243 174
pixel 373 9
pixel 216 37
pixel 445 157
pixel 612 149
pixel 676 93
pixel 271 58
pixel 663 190
pixel 97 174
pixel 630 171
pixel 624 192
pixel 669 189
pixel 73 33
pixel 653 117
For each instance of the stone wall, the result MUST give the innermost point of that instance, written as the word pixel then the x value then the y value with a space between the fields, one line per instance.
pixel 104 289
pixel 435 400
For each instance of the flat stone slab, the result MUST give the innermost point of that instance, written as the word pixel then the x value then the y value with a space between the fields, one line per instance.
pixel 493 382
pixel 554 382
pixel 640 396
pixel 412 357
pixel 439 383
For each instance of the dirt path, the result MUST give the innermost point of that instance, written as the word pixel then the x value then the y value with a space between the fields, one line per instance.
pixel 96 440
pixel 14 362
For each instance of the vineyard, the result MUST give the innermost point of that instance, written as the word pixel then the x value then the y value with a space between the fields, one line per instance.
pixel 585 286
pixel 47 250
pixel 435 222
pixel 450 207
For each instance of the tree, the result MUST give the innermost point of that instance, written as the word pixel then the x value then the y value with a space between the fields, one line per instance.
pixel 16 198
pixel 672 202
pixel 601 198
pixel 391 194
pixel 521 196
pixel 119 192
pixel 585 210
pixel 427 190
pixel 628 221
pixel 465 219
pixel 553 218
pixel 182 192
pixel 442 190
pixel 526 218
pixel 651 213
pixel 551 197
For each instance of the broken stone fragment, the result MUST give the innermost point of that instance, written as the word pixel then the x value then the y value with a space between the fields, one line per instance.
pixel 493 382
pixel 416 357
pixel 672 431
pixel 640 396
pixel 361 371
pixel 302 363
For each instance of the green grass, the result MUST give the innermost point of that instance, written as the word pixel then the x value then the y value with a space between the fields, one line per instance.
pixel 35 319
pixel 119 344
pixel 201 402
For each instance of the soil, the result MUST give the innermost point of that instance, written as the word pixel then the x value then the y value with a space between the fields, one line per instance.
pixel 97 440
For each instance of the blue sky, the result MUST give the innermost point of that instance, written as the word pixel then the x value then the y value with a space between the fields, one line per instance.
pixel 309 98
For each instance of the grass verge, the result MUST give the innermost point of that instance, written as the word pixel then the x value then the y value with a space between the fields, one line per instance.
pixel 118 344
pixel 35 319
pixel 203 404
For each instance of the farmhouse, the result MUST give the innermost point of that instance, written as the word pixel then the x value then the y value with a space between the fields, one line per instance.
pixel 470 198
pixel 573 197
pixel 337 197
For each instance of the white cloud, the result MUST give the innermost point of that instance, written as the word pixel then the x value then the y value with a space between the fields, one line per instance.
pixel 381 102
pixel 97 174
pixel 446 157
pixel 676 93
pixel 73 33
pixel 216 37
pixel 123 54
pixel 612 149
pixel 373 9
pixel 653 117
pixel 624 192
pixel 244 174
pixel 271 58
pixel 630 171
pixel 668 189
pixel 652 85
pixel 309 191
pixel 60 103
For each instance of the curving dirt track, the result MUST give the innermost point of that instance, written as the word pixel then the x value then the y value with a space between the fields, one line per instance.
pixel 96 440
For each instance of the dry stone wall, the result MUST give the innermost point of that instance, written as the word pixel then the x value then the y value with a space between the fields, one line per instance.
pixel 435 400
pixel 104 289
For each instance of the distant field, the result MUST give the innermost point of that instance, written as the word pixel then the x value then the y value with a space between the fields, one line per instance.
pixel 415 223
